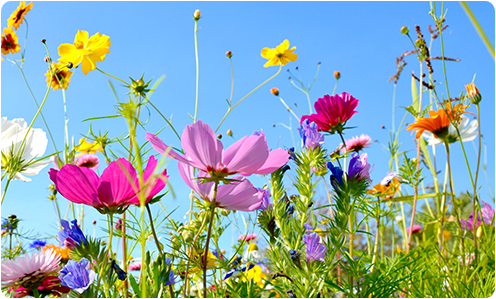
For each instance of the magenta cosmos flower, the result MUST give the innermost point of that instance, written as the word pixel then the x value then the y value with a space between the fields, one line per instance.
pixel 333 112
pixel 240 195
pixel 249 155
pixel 113 192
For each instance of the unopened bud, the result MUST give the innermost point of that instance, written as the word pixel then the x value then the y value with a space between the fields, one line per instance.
pixel 94 222
pixel 51 187
pixel 225 212
pixel 43 40
pixel 197 15
pixel 47 59
pixel 229 132
pixel 51 197
pixel 479 232
pixel 12 216
pixel 274 91
pixel 219 136
pixel 228 54
pixel 404 30
pixel 473 94
pixel 337 75
pixel 69 65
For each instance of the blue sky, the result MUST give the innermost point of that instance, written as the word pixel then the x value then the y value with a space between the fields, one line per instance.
pixel 359 39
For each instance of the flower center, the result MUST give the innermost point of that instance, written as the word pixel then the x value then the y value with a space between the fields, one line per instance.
pixel 19 15
pixel 79 45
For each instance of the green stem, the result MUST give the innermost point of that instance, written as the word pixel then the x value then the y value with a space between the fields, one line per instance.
pixel 197 68
pixel 478 28
pixel 205 252
pixel 159 246
pixel 309 101
pixel 474 212
pixel 289 109
pixel 5 190
pixel 231 108
pixel 335 87
pixel 127 84
pixel 156 109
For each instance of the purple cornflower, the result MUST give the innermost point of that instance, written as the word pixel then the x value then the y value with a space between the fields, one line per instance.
pixel 265 200
pixel 310 136
pixel 37 244
pixel 336 176
pixel 487 215
pixel 359 167
pixel 77 275
pixel 308 228
pixel 71 236
pixel 314 250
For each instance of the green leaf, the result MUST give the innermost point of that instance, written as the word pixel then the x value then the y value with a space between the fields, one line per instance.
pixel 135 286
pixel 414 94
pixel 101 117
pixel 410 197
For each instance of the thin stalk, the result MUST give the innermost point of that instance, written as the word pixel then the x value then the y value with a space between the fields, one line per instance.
pixel 156 109
pixel 66 129
pixel 231 108
pixel 376 244
pixel 197 68
pixel 328 196
pixel 289 109
pixel 474 212
pixel 124 254
pixel 335 86
pixel 309 101
pixel 5 190
pixel 232 82
pixel 418 165
pixel 205 252
pixel 159 246
pixel 127 84
pixel 478 28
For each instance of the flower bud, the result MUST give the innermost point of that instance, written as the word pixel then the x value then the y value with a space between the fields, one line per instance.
pixel 274 91
pixel 12 216
pixel 479 232
pixel 228 54
pixel 43 40
pixel 118 225
pixel 69 65
pixel 94 222
pixel 473 94
pixel 197 15
pixel 225 212
pixel 229 132
pixel 337 75
pixel 219 136
pixel 404 30
pixel 51 197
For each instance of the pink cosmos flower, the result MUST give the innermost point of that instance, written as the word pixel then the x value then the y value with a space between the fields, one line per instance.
pixel 415 229
pixel 356 143
pixel 249 155
pixel 113 191
pixel 135 267
pixel 240 195
pixel 89 161
pixel 29 271
pixel 333 112
pixel 247 238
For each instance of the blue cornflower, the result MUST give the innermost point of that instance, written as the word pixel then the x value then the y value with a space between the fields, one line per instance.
pixel 359 167
pixel 37 244
pixel 310 136
pixel 337 172
pixel 77 275
pixel 71 236
pixel 314 250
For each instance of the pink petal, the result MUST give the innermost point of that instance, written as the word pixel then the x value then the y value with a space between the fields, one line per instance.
pixel 277 158
pixel 152 185
pixel 77 184
pixel 162 148
pixel 202 147
pixel 187 172
pixel 247 155
pixel 115 188
pixel 240 196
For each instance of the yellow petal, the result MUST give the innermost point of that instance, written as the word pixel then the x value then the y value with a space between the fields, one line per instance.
pixel 268 53
pixel 87 65
pixel 283 47
pixel 81 36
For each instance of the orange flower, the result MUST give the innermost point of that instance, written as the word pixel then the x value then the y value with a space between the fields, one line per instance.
pixel 17 16
pixel 439 121
pixel 9 42
pixel 473 94
pixel 61 76
pixel 387 191
pixel 63 252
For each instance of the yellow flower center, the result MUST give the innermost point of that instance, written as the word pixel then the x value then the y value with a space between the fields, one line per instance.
pixel 79 45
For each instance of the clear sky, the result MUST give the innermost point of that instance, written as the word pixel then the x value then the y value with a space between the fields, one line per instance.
pixel 359 39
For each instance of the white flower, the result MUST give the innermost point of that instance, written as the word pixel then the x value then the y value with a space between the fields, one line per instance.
pixel 468 132
pixel 398 219
pixel 252 253
pixel 12 135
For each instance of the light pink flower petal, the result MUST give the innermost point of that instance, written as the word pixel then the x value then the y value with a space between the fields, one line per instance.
pixel 277 158
pixel 240 196
pixel 157 183
pixel 162 148
pixel 77 184
pixel 247 155
pixel 187 173
pixel 202 147
pixel 115 188
pixel 89 161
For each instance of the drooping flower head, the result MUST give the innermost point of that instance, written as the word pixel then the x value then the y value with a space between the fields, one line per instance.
pixel 310 136
pixel 17 16
pixel 415 229
pixel 85 51
pixel 77 275
pixel 468 132
pixel 89 161
pixel 281 55
pixel 9 42
pixel 356 144
pixel 116 189
pixel 71 235
pixel 29 271
pixel 315 250
pixel 359 168
pixel 60 75
pixel 487 216
pixel 438 122
pixel 333 112
pixel 249 155
pixel 11 137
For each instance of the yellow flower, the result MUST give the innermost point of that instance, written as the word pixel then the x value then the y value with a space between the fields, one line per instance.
pixel 280 55
pixel 85 51
pixel 211 261
pixel 256 274
pixel 9 42
pixel 61 76
pixel 86 147
pixel 63 252
pixel 17 16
